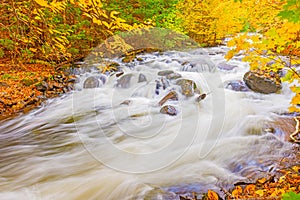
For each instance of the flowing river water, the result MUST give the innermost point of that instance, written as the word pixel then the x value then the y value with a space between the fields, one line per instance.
pixel 112 142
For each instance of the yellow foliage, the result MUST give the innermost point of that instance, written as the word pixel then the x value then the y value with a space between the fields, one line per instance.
pixel 274 38
pixel 53 40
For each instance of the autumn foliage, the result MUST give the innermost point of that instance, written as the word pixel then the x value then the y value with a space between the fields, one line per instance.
pixel 55 31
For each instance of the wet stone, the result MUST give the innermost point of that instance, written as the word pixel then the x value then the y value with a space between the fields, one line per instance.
pixel 165 72
pixel 261 82
pixel 124 81
pixel 170 96
pixel 237 85
pixel 226 67
pixel 91 82
pixel 173 76
pixel 157 86
pixel 201 97
pixel 165 83
pixel 126 102
pixel 140 59
pixel 142 78
pixel 169 110
pixel 73 80
pixel 187 87
pixel 201 65
pixel 118 74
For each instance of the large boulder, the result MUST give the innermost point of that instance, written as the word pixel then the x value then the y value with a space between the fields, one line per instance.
pixel 262 82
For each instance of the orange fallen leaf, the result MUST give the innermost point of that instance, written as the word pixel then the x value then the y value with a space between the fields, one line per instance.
pixel 211 195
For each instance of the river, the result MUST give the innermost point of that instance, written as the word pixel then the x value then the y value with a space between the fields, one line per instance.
pixel 113 143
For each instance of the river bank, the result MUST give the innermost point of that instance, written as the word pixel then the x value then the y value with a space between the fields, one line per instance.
pixel 26 86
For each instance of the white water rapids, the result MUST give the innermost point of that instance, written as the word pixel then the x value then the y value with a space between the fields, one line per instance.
pixel 88 145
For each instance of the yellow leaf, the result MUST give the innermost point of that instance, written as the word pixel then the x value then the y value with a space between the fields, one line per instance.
pixel 33 50
pixel 296 168
pixel 42 3
pixel 113 13
pixel 106 24
pixel 88 15
pixel 260 192
pixel 229 54
pixel 97 21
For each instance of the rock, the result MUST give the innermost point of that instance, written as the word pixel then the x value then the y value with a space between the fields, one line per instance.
pixel 201 65
pixel 91 82
pixel 165 72
pixel 142 78
pixel 124 81
pixel 261 82
pixel 225 66
pixel 187 87
pixel 162 83
pixel 128 58
pixel 114 65
pixel 140 59
pixel 169 110
pixel 173 76
pixel 165 83
pixel 73 80
pixel 157 87
pixel 118 74
pixel 201 97
pixel 237 85
pixel 126 102
pixel 102 78
pixel 42 87
pixel 282 127
pixel 170 96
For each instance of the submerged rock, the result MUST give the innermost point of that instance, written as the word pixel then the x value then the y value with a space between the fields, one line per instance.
pixel 126 102
pixel 173 76
pixel 201 65
pixel 237 85
pixel 165 82
pixel 142 78
pixel 226 67
pixel 187 87
pixel 169 110
pixel 124 81
pixel 170 96
pixel 262 82
pixel 91 82
pixel 162 83
pixel 282 127
pixel 165 72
